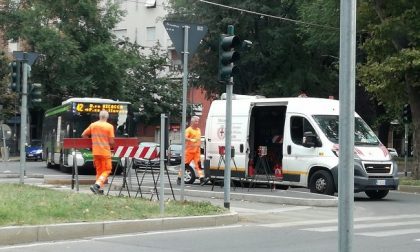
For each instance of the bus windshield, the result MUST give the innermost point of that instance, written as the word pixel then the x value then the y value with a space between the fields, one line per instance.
pixel 82 120
pixel 363 135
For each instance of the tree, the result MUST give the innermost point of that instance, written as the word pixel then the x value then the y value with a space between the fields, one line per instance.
pixel 74 37
pixel 392 66
pixel 277 65
pixel 151 89
pixel 7 98
pixel 80 56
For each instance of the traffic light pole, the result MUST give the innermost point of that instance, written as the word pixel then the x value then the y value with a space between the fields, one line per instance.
pixel 23 116
pixel 184 108
pixel 228 134
pixel 405 147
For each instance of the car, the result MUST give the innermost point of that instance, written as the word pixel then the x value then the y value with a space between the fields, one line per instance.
pixel 33 151
pixel 141 163
pixel 393 152
pixel 175 154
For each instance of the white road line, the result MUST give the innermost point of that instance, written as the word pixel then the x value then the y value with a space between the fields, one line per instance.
pixel 166 232
pixel 298 223
pixel 361 226
pixel 330 221
pixel 276 210
pixel 391 232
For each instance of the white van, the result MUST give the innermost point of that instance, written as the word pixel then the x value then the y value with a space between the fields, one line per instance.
pixel 299 136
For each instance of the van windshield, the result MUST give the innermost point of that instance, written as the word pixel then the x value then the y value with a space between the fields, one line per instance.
pixel 363 135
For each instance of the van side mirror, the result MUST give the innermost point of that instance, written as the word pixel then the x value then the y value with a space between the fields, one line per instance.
pixel 309 140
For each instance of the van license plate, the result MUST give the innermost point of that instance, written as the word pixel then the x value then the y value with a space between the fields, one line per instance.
pixel 380 182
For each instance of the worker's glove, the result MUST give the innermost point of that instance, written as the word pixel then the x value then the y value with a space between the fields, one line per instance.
pixel 193 140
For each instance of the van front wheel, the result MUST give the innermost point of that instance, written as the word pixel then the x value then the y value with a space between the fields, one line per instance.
pixel 322 182
pixel 376 194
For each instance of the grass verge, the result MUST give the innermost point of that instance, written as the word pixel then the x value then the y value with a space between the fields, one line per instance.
pixel 409 181
pixel 32 205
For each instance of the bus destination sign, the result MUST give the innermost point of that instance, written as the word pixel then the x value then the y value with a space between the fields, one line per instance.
pixel 97 107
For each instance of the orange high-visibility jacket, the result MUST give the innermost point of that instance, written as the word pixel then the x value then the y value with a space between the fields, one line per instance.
pixel 100 133
pixel 190 146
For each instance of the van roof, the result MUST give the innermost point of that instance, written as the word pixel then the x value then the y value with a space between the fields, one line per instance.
pixel 301 105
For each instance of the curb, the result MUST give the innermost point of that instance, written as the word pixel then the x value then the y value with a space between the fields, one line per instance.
pixel 329 201
pixel 409 189
pixel 55 232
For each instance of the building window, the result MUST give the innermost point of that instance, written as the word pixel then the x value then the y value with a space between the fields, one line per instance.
pixel 151 33
pixel 150 3
pixel 121 34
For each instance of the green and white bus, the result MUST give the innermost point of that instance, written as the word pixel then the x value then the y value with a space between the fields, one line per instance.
pixel 69 121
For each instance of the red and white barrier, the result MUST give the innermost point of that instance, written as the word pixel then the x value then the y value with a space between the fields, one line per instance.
pixel 144 152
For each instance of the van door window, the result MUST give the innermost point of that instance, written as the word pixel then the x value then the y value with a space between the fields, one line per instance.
pixel 299 125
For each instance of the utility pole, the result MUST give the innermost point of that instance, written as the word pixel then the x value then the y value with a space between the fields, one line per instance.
pixel 346 124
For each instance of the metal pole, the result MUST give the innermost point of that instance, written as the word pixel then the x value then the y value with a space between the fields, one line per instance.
pixel 228 134
pixel 405 148
pixel 23 117
pixel 76 169
pixel 162 165
pixel 346 125
pixel 4 156
pixel 184 108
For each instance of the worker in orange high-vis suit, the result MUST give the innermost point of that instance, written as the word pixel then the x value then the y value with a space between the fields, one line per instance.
pixel 102 134
pixel 192 147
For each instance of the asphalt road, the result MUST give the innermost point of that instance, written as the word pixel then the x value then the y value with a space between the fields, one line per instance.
pixel 392 224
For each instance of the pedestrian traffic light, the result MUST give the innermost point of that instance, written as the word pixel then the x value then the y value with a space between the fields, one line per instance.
pixel 228 56
pixel 15 76
pixel 406 113
pixel 35 93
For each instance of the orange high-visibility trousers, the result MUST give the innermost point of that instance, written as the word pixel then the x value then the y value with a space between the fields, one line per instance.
pixel 103 165
pixel 194 156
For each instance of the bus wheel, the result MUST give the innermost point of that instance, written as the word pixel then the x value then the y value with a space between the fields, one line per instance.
pixel 47 160
pixel 376 194
pixel 64 168
pixel 322 182
pixel 189 175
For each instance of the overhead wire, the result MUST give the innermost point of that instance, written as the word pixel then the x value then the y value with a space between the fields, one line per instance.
pixel 268 15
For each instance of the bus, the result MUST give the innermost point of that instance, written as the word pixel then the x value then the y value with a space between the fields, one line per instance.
pixel 70 119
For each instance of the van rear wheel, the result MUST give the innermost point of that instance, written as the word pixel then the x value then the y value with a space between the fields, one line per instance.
pixel 322 182
pixel 377 194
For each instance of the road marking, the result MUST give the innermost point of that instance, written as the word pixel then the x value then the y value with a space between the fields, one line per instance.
pixel 166 232
pixel 391 232
pixel 275 210
pixel 361 226
pixel 330 221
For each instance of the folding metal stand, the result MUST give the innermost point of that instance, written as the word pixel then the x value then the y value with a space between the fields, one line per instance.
pixel 155 181
pixel 222 160
pixel 128 162
pixel 262 167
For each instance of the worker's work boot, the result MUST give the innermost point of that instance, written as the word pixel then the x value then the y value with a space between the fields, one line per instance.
pixel 95 188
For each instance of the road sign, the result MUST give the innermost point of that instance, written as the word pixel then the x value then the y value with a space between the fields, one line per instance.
pixel 6 131
pixel 30 56
pixel 175 31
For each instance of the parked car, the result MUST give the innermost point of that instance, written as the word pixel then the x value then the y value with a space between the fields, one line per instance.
pixel 141 163
pixel 175 154
pixel 393 152
pixel 33 151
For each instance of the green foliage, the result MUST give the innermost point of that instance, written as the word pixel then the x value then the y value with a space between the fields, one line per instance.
pixel 7 98
pixel 80 56
pixel 151 90
pixel 392 50
pixel 278 63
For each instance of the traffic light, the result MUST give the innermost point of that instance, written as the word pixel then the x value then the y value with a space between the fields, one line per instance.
pixel 228 56
pixel 35 93
pixel 15 76
pixel 406 113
